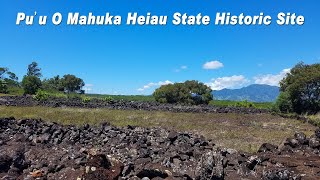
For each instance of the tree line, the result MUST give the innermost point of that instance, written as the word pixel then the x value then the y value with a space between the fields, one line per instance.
pixel 32 83
pixel 299 91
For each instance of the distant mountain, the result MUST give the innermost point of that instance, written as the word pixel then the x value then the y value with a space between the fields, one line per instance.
pixel 254 93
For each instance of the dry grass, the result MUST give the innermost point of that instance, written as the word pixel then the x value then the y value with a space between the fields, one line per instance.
pixel 238 131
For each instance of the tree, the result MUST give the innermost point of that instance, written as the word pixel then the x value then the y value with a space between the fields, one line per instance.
pixel 283 103
pixel 7 79
pixel 189 92
pixel 3 86
pixel 34 70
pixel 302 86
pixel 54 83
pixel 31 84
pixel 3 71
pixel 71 83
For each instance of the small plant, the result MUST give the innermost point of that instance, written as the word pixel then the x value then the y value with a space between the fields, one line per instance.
pixel 108 99
pixel 86 99
pixel 41 96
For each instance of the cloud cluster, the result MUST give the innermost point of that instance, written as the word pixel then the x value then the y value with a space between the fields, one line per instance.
pixel 152 84
pixel 271 79
pixel 228 82
pixel 212 65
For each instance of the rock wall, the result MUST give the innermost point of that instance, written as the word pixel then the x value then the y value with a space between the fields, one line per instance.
pixel 124 105
pixel 34 149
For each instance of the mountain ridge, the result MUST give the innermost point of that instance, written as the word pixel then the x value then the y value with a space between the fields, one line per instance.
pixel 253 92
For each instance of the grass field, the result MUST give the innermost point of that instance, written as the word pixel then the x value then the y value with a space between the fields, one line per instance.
pixel 239 131
pixel 124 97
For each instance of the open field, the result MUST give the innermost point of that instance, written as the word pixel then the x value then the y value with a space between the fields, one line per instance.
pixel 239 131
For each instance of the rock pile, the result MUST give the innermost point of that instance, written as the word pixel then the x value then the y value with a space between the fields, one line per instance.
pixel 34 149
pixel 124 105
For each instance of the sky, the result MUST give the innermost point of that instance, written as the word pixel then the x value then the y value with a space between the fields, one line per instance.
pixel 137 59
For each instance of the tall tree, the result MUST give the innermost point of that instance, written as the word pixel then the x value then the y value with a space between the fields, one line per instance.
pixel 71 83
pixel 303 87
pixel 54 83
pixel 3 71
pixel 31 84
pixel 34 70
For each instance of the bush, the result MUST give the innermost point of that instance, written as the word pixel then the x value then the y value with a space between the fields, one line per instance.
pixel 31 84
pixel 41 96
pixel 189 92
pixel 283 103
pixel 3 87
pixel 108 99
pixel 86 99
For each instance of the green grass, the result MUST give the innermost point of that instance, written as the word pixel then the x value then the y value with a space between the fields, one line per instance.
pixel 315 119
pixel 227 103
pixel 239 131
pixel 17 91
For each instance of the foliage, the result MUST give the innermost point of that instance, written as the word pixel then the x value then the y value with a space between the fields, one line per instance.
pixel 302 86
pixel 71 83
pixel 283 103
pixel 9 77
pixel 245 104
pixel 41 96
pixel 3 87
pixel 15 90
pixel 85 99
pixel 108 99
pixel 34 70
pixel 229 103
pixel 31 84
pixel 189 92
pixel 53 84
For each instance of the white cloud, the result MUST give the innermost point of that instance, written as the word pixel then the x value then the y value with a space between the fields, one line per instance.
pixel 212 65
pixel 228 82
pixel 271 79
pixel 150 85
pixel 181 68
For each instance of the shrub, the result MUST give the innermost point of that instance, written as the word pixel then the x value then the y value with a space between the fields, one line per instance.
pixel 283 103
pixel 41 96
pixel 31 84
pixel 85 99
pixel 189 92
pixel 108 99
pixel 3 87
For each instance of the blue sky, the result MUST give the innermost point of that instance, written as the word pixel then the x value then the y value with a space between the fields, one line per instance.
pixel 136 59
